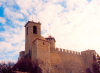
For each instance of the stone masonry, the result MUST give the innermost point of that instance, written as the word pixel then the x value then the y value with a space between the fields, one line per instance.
pixel 51 59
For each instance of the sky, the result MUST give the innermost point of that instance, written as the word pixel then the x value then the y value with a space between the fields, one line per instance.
pixel 75 24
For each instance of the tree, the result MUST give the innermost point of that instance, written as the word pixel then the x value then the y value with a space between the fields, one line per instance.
pixel 96 64
pixel 26 65
pixel 5 68
pixel 96 68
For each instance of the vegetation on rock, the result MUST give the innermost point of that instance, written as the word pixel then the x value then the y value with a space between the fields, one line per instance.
pixel 23 65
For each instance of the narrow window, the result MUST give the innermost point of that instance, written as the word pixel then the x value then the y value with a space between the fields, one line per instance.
pixel 43 43
pixel 27 30
pixel 34 29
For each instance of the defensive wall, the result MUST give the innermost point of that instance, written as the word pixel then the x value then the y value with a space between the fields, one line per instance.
pixel 51 59
pixel 65 51
pixel 68 61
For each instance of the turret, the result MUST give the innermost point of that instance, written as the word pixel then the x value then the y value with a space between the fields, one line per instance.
pixel 88 57
pixel 52 42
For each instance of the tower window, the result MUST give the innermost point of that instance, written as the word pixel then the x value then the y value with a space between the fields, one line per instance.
pixel 34 29
pixel 43 43
pixel 27 30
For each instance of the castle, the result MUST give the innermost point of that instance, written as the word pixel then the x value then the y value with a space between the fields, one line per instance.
pixel 51 59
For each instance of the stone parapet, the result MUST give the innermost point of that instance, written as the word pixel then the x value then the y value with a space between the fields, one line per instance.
pixel 60 50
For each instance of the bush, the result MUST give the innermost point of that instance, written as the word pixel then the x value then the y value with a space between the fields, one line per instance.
pixel 6 68
pixel 88 70
pixel 26 65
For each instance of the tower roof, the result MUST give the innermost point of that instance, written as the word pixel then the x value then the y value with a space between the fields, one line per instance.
pixel 32 22
pixel 39 39
pixel 50 38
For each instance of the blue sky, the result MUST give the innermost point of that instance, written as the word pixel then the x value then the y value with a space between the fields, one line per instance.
pixel 77 22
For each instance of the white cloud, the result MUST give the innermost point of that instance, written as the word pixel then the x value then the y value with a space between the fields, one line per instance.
pixel 13 41
pixel 2 20
pixel 12 15
pixel 76 27
pixel 24 12
pixel 24 4
pixel 76 4
pixel 2 2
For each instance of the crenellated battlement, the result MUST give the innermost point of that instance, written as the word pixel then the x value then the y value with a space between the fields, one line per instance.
pixel 88 52
pixel 60 50
pixel 51 59
pixel 66 51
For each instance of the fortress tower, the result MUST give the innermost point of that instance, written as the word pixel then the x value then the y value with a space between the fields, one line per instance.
pixel 32 32
pixel 51 59
pixel 52 41
pixel 36 46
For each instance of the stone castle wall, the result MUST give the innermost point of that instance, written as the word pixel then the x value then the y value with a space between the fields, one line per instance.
pixel 66 61
pixel 65 51
pixel 51 59
pixel 42 54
